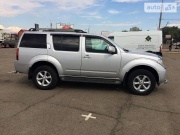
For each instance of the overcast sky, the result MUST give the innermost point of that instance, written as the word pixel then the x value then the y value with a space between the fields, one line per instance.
pixel 98 15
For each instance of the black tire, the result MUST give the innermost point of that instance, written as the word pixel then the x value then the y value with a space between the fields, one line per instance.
pixel 11 46
pixel 141 82
pixel 4 46
pixel 48 78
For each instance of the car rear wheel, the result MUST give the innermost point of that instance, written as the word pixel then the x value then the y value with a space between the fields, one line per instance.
pixel 45 78
pixel 141 82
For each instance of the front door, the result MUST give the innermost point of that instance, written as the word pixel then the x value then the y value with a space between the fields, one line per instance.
pixel 97 61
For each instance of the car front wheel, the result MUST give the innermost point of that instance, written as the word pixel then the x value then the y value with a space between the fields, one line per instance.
pixel 45 78
pixel 141 82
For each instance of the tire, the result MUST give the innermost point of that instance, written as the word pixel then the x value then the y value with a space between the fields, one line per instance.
pixel 4 46
pixel 11 46
pixel 141 82
pixel 45 78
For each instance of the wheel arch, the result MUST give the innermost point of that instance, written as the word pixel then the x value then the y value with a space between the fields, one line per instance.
pixel 152 70
pixel 38 64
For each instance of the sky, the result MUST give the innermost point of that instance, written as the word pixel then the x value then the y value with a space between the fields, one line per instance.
pixel 95 15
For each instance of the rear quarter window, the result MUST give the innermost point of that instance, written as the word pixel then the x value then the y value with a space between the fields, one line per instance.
pixel 34 41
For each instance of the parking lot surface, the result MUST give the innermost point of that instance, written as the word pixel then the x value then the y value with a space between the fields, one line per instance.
pixel 86 109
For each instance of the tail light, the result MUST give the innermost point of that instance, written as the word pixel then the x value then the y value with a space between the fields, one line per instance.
pixel 17 54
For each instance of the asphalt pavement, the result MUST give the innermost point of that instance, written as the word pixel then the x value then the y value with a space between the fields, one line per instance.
pixel 84 108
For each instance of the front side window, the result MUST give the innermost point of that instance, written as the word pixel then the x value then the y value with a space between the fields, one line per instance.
pixel 96 45
pixel 66 42
pixel 34 41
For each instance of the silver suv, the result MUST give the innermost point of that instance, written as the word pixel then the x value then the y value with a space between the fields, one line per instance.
pixel 48 56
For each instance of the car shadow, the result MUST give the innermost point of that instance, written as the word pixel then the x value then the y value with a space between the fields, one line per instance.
pixel 91 86
pixel 67 85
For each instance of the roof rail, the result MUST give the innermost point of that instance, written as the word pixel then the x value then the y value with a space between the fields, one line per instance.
pixel 55 30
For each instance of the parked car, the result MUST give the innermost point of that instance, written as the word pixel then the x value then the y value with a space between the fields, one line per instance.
pixel 177 44
pixel 48 56
pixel 11 41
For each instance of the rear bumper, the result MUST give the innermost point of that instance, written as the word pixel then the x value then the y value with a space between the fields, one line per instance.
pixel 21 68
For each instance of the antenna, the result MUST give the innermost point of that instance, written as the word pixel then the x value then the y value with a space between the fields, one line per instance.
pixel 50 24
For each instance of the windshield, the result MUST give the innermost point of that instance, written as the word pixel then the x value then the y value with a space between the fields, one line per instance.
pixel 111 39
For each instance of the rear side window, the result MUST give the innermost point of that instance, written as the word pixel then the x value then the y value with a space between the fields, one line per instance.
pixel 34 41
pixel 66 42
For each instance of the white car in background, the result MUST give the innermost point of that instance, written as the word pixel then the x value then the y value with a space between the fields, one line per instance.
pixel 177 44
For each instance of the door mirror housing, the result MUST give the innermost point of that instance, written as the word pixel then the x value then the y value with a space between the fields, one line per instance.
pixel 111 49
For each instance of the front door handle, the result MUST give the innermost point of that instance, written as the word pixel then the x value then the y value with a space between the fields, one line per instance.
pixel 87 57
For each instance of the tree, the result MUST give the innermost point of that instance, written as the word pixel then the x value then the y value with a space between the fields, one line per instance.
pixel 124 30
pixel 177 35
pixel 173 31
pixel 135 29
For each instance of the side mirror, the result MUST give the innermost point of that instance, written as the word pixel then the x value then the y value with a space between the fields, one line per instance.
pixel 111 49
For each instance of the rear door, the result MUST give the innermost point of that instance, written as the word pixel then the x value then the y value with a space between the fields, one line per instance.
pixel 66 49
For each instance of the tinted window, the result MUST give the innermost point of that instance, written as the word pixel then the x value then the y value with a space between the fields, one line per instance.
pixel 96 44
pixel 66 42
pixel 34 41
